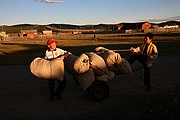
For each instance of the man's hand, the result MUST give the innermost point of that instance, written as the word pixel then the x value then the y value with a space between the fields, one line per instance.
pixel 66 54
pixel 134 49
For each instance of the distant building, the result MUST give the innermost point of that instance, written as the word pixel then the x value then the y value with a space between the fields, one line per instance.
pixel 2 33
pixel 146 25
pixel 28 33
pixel 155 26
pixel 172 26
pixel 129 26
pixel 3 36
pixel 47 33
pixel 119 26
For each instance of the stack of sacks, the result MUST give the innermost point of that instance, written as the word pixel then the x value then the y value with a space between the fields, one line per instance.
pixel 124 67
pixel 114 61
pixel 47 69
pixel 79 67
pixel 86 79
pixel 87 67
pixel 107 77
pixel 77 64
pixel 99 67
pixel 97 64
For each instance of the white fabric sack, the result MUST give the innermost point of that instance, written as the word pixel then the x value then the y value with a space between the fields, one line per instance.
pixel 77 64
pixel 97 64
pixel 111 75
pixel 70 63
pixel 47 69
pixel 102 78
pixel 100 49
pixel 108 77
pixel 111 59
pixel 86 79
pixel 124 67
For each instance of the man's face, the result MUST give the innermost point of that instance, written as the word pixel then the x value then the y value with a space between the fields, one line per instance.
pixel 147 40
pixel 52 46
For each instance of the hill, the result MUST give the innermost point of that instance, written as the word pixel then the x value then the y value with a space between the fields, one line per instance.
pixel 57 27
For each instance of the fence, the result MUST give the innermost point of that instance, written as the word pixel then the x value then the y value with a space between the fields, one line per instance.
pixel 162 30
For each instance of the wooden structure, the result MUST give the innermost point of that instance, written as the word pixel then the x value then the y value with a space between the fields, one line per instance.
pixel 146 25
pixel 119 26
pixel 28 33
pixel 47 33
pixel 3 36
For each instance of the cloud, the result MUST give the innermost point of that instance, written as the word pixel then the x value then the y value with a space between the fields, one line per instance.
pixel 175 18
pixel 51 1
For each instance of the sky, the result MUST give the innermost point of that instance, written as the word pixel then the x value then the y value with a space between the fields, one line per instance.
pixel 86 12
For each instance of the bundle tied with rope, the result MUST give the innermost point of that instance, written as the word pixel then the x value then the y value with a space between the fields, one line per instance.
pixel 99 67
pixel 97 63
pixel 86 79
pixel 88 67
pixel 114 61
pixel 77 64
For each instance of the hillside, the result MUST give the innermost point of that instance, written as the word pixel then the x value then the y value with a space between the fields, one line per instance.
pixel 57 27
pixel 18 28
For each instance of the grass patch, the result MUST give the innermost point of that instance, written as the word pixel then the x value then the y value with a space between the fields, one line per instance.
pixel 23 51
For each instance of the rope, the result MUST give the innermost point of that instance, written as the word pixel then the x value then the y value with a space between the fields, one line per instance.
pixel 124 50
pixel 99 68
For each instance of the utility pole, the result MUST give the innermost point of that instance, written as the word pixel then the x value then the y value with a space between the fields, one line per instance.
pixel 113 26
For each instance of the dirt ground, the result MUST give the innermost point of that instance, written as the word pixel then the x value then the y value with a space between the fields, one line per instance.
pixel 25 97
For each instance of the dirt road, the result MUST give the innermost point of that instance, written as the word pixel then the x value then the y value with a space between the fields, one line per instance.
pixel 25 97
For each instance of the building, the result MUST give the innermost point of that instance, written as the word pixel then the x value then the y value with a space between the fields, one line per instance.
pixel 3 36
pixel 171 26
pixel 28 33
pixel 146 25
pixel 119 26
pixel 47 33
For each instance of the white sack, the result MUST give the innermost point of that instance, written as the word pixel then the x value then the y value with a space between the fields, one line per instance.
pixel 97 64
pixel 86 79
pixel 111 75
pixel 111 58
pixel 108 77
pixel 124 67
pixel 70 63
pixel 77 64
pixel 47 69
pixel 100 49
pixel 102 78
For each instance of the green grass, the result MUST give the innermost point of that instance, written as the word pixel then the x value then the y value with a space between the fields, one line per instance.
pixel 23 51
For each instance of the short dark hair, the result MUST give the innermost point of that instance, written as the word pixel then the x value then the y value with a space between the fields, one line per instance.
pixel 150 35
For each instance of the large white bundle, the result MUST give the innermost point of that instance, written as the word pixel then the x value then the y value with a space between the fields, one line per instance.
pixel 100 49
pixel 77 64
pixel 47 69
pixel 108 77
pixel 70 60
pixel 86 79
pixel 97 64
pixel 111 75
pixel 102 78
pixel 111 58
pixel 124 67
